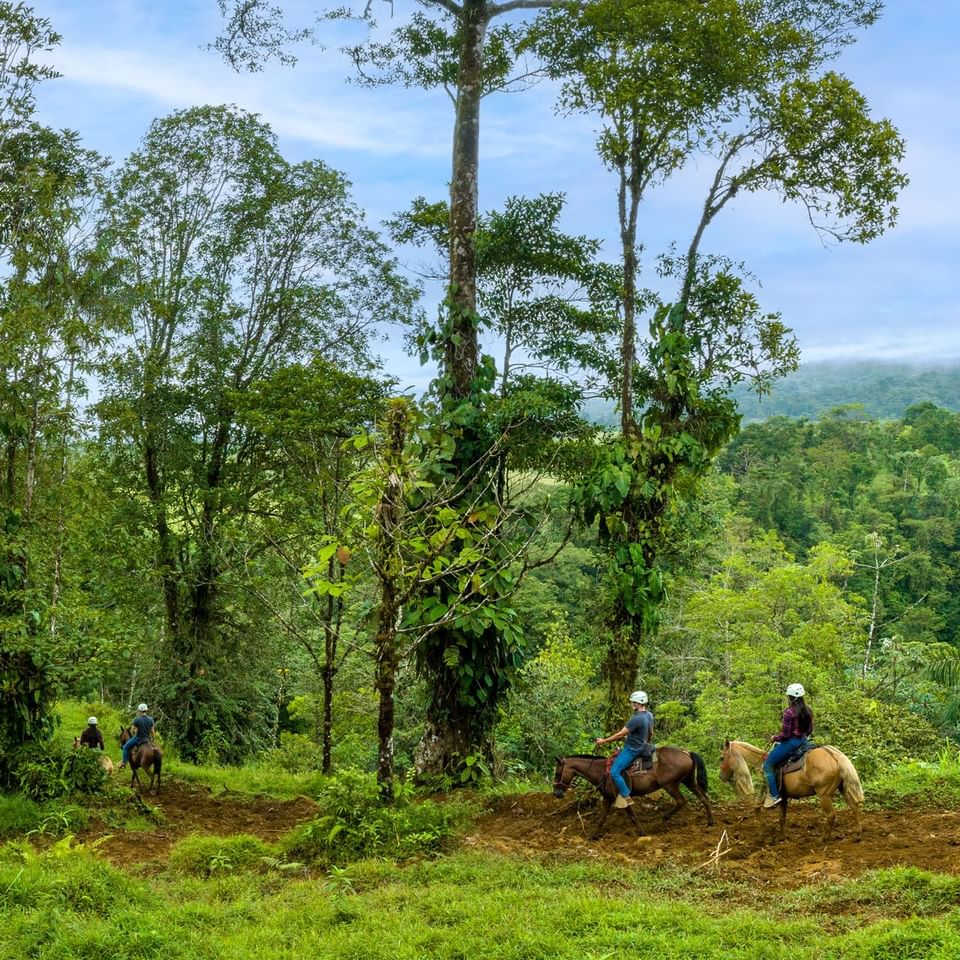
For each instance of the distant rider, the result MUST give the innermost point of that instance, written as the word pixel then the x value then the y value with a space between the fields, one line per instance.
pixel 144 727
pixel 91 736
pixel 796 728
pixel 637 732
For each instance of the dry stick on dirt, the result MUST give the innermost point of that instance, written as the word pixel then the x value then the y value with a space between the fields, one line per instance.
pixel 714 859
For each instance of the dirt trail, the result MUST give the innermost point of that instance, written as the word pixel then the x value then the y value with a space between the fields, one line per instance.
pixel 740 846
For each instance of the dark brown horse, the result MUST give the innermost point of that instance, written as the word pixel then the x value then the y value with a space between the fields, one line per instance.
pixel 144 756
pixel 672 768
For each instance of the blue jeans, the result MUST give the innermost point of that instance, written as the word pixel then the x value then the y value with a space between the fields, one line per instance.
pixel 129 745
pixel 624 758
pixel 775 757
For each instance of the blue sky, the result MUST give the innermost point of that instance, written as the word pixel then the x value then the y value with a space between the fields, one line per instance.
pixel 125 62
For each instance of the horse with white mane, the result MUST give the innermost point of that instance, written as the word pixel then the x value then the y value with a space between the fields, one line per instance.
pixel 825 771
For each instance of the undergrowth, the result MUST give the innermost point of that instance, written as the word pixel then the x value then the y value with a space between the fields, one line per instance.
pixel 918 783
pixel 355 823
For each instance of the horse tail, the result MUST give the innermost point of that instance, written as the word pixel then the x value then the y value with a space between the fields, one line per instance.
pixel 850 784
pixel 698 775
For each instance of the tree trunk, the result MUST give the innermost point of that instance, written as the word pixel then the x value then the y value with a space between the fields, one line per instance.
pixel 389 515
pixel 461 347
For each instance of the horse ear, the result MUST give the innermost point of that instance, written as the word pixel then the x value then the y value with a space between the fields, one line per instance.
pixel 726 744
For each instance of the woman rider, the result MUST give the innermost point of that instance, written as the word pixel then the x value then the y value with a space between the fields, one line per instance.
pixel 796 727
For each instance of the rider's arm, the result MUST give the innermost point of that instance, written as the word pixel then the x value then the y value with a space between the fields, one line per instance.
pixel 619 735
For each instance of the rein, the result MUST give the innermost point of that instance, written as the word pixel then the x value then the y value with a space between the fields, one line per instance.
pixel 558 783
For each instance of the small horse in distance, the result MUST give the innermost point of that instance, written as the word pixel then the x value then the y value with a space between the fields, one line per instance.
pixel 671 768
pixel 103 759
pixel 825 771
pixel 144 756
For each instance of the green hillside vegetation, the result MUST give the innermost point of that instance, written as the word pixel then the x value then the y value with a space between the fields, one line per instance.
pixel 879 390
pixel 872 390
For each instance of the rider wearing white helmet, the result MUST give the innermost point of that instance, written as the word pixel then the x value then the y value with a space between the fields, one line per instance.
pixel 91 736
pixel 143 726
pixel 796 728
pixel 637 733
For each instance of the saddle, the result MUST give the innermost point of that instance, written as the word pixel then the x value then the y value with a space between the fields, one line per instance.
pixel 644 762
pixel 794 762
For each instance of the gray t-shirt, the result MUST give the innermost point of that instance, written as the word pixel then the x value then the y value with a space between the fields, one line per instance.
pixel 638 727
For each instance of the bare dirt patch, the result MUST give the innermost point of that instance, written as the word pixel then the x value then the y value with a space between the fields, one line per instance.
pixel 184 809
pixel 741 845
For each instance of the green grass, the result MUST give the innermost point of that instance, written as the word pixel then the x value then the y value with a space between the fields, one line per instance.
pixel 917 783
pixel 65 903
pixel 251 779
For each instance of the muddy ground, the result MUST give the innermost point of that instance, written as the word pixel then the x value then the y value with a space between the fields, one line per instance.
pixel 740 846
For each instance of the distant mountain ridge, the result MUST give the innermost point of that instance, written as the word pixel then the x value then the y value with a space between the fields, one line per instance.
pixel 883 389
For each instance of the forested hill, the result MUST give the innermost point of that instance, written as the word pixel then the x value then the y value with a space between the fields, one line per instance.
pixel 885 390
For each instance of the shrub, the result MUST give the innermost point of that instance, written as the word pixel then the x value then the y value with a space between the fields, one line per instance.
pixel 19 815
pixel 46 771
pixel 554 707
pixel 206 856
pixel 297 753
pixel 356 824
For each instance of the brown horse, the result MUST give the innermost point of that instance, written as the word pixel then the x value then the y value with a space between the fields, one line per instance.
pixel 672 768
pixel 825 771
pixel 144 756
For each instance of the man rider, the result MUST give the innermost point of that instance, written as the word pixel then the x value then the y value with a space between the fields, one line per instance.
pixel 144 727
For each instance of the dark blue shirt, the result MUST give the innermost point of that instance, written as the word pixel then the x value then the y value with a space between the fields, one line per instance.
pixel 639 727
pixel 144 726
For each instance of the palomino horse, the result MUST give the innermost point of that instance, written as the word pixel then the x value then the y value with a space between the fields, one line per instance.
pixel 144 756
pixel 673 767
pixel 825 770
pixel 102 758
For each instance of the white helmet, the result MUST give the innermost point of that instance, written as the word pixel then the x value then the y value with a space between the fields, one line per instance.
pixel 638 696
pixel 142 707
pixel 92 721
pixel 795 690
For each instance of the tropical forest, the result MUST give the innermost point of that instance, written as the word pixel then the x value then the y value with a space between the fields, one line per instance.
pixel 376 643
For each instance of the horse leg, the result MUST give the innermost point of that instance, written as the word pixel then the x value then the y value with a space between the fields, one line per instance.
pixel 829 817
pixel 782 806
pixel 678 800
pixel 604 813
pixel 633 818
pixel 701 795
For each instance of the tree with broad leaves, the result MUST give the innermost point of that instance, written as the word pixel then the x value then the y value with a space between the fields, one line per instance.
pixel 456 46
pixel 48 183
pixel 742 82
pixel 235 264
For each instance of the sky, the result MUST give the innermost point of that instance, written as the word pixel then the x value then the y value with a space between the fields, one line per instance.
pixel 126 62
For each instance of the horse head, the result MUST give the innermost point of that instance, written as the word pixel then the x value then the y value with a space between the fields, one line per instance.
pixel 559 783
pixel 726 768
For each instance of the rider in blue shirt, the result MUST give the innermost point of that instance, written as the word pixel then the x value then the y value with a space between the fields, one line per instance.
pixel 636 733
pixel 144 726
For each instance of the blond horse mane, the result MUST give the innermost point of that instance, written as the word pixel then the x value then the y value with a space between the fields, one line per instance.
pixel 741 756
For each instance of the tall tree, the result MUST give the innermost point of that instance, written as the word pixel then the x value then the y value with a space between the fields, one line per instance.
pixel 452 45
pixel 235 263
pixel 741 81
pixel 46 183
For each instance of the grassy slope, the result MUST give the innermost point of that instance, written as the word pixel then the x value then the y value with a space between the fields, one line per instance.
pixel 66 904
